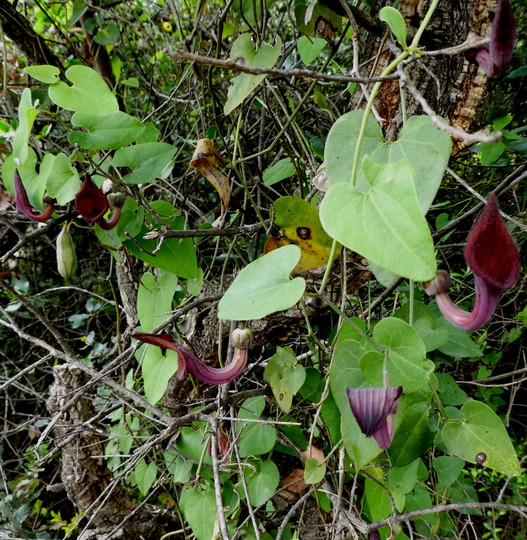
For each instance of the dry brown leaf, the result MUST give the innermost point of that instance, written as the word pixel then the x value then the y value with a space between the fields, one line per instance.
pixel 206 161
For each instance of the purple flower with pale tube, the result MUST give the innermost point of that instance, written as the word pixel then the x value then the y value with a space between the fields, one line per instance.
pixel 374 409
pixel 91 203
pixel 188 362
pixel 23 205
pixel 493 257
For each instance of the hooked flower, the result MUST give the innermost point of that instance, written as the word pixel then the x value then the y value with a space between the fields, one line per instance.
pixel 92 204
pixel 493 257
pixel 23 205
pixel 374 409
pixel 188 362
pixel 494 56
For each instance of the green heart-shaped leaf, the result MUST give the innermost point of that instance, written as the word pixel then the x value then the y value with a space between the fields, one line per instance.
pixel 426 147
pixel 395 21
pixel 88 94
pixel 285 375
pixel 480 436
pixel 264 287
pixel 383 224
pixel 147 161
pixel 405 356
pixel 346 373
pixel 243 52
pixel 105 132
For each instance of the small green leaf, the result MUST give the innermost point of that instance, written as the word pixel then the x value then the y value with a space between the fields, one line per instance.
pixel 383 224
pixel 309 49
pixel 145 476
pixel 175 256
pixel 480 435
pixel 285 376
pixel 154 299
pixel 243 52
pixel 403 479
pixel 448 469
pixel 395 21
pixel 46 74
pixel 62 179
pixel 459 343
pixel 157 368
pixel 109 35
pixel 264 287
pixel 147 161
pixel 255 438
pixel 199 509
pixel 414 436
pixel 178 467
pixel 262 484
pixel 314 471
pixel 405 356
pixel 27 113
pixel 108 132
pixel 88 93
pixel 279 171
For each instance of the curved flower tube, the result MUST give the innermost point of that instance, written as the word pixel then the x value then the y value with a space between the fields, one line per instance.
pixel 91 203
pixel 188 362
pixel 374 409
pixel 493 257
pixel 23 205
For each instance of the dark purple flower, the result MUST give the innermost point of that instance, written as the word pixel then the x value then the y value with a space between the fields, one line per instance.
pixel 23 205
pixel 493 257
pixel 92 204
pixel 495 56
pixel 374 409
pixel 188 362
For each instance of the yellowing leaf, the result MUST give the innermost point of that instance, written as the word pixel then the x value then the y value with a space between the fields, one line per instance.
pixel 300 225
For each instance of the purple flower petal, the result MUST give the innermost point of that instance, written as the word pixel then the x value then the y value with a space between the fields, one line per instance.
pixel 91 202
pixel 373 409
pixel 490 250
pixel 188 362
pixel 493 257
pixel 502 36
pixel 23 205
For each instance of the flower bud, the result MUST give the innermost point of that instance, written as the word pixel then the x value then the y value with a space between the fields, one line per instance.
pixel 242 338
pixel 66 256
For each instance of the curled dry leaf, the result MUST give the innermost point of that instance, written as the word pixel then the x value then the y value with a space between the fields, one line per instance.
pixel 206 161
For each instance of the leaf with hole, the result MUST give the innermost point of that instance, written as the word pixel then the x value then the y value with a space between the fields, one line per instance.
pixel 479 436
pixel 299 224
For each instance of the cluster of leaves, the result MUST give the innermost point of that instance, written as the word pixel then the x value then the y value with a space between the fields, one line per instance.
pixel 231 471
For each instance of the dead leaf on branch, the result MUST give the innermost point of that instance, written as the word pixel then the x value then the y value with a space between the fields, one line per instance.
pixel 206 160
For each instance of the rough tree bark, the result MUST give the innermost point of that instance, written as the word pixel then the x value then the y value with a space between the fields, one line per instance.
pixel 88 481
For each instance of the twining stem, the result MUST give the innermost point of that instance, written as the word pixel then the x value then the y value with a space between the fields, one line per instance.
pixel 392 66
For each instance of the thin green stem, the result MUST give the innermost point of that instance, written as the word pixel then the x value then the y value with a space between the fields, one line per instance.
pixel 424 24
pixel 411 296
pixel 393 65
pixel 331 259
pixel 352 323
